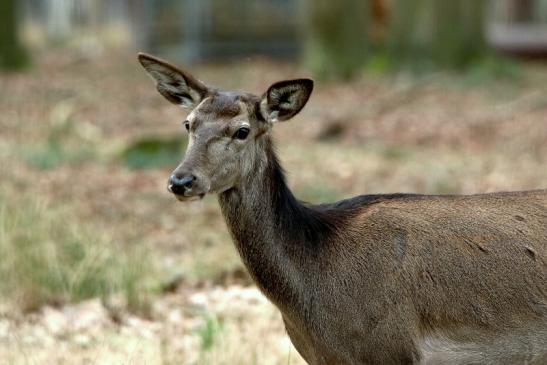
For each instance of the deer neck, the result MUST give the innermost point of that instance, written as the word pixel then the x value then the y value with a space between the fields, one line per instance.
pixel 269 227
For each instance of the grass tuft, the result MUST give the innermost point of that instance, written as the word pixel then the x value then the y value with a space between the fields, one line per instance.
pixel 210 331
pixel 48 257
pixel 65 144
pixel 153 152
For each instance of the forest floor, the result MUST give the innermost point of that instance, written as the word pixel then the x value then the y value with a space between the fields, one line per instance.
pixel 101 265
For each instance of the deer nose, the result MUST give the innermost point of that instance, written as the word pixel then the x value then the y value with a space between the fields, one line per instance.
pixel 179 184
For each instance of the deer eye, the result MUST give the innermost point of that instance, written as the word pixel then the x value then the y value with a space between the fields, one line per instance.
pixel 186 125
pixel 242 133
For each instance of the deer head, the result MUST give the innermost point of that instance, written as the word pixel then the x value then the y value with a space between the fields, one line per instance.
pixel 225 128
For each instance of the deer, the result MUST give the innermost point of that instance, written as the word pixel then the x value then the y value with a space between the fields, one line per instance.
pixel 373 279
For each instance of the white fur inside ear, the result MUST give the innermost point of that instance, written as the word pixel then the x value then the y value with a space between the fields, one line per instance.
pixel 271 116
pixel 164 75
pixel 274 116
pixel 190 102
pixel 174 84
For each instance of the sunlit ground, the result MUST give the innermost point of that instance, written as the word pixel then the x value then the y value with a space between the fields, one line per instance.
pixel 99 264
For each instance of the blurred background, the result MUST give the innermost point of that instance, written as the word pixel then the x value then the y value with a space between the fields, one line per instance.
pixel 100 265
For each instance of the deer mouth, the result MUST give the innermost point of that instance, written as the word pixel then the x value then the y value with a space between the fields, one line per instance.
pixel 187 193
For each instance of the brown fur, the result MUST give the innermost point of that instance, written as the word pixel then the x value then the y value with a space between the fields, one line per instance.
pixel 376 279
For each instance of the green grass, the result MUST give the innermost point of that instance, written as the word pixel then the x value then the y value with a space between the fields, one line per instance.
pixel 154 152
pixel 49 257
pixel 319 193
pixel 63 145
pixel 209 331
pixel 52 153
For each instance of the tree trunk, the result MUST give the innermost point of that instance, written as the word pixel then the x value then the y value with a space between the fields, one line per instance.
pixel 59 21
pixel 437 33
pixel 523 10
pixel 12 53
pixel 337 40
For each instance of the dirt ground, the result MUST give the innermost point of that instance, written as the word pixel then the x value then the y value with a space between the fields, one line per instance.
pixel 434 133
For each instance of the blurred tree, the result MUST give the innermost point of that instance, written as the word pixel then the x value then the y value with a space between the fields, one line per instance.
pixel 12 53
pixel 523 10
pixel 541 11
pixel 59 22
pixel 337 41
pixel 437 33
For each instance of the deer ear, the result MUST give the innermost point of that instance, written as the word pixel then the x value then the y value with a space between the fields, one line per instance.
pixel 176 85
pixel 285 99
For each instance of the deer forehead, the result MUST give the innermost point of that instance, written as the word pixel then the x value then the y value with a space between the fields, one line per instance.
pixel 222 107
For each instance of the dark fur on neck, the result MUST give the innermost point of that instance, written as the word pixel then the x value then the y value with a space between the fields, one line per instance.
pixel 299 222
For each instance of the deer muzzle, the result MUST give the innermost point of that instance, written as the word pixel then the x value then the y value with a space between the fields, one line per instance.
pixel 185 186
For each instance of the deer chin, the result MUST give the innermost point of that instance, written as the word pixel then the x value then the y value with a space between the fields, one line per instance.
pixel 184 198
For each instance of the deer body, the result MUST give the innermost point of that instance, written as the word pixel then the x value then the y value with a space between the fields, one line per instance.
pixel 381 279
pixel 399 278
